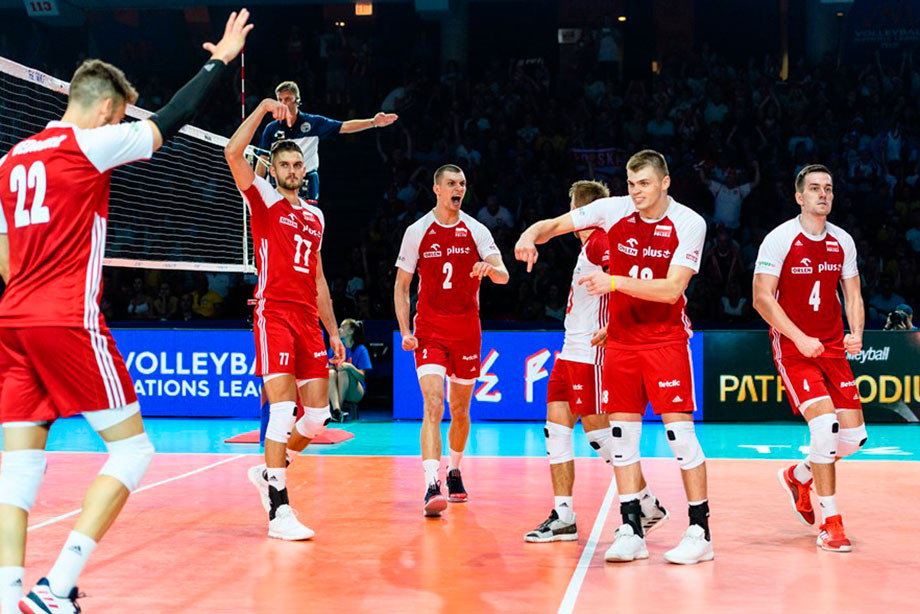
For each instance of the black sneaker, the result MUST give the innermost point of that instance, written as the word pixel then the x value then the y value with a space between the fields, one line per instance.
pixel 456 493
pixel 435 503
pixel 553 530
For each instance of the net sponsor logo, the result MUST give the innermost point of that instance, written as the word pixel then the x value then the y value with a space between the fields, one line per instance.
pixel 32 145
pixel 662 231
pixel 830 266
pixel 457 250
pixel 648 252
pixel 434 251
pixel 871 354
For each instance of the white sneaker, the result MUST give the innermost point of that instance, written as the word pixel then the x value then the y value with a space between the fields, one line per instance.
pixel 627 546
pixel 653 516
pixel 286 526
pixel 41 600
pixel 693 548
pixel 255 476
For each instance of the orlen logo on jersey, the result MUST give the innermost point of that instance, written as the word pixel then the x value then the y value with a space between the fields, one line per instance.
pixel 830 266
pixel 662 231
pixel 457 250
pixel 805 269
pixel 434 251
pixel 289 220
pixel 630 248
pixel 672 383
pixel 648 252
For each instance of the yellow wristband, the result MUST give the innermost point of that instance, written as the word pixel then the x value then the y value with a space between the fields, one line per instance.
pixel 613 286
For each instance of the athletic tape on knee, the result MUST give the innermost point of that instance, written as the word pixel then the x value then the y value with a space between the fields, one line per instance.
pixel 559 445
pixel 602 442
pixel 314 421
pixel 21 473
pixel 625 438
pixel 825 436
pixel 281 418
pixel 128 460
pixel 685 445
pixel 851 440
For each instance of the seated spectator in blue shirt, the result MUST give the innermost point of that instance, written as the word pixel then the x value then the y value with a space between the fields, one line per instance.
pixel 346 382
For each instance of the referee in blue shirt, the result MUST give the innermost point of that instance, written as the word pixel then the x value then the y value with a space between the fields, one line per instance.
pixel 307 130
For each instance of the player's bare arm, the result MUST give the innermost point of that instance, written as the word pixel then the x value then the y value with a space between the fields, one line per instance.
pixel 326 312
pixel 525 250
pixel 401 304
pixel 380 120
pixel 856 314
pixel 493 268
pixel 667 290
pixel 4 258
pixel 235 151
pixel 770 310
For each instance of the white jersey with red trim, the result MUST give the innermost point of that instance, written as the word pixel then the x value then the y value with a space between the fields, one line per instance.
pixel 286 238
pixel 584 313
pixel 54 207
pixel 809 268
pixel 646 249
pixel 448 298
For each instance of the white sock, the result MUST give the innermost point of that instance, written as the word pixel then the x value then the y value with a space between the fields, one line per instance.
pixel 802 472
pixel 564 508
pixel 291 455
pixel 629 497
pixel 828 507
pixel 454 460
pixel 10 588
pixel 74 555
pixel 275 477
pixel 431 465
pixel 647 501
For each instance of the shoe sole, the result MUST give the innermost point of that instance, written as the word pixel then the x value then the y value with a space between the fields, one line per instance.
pixel 828 549
pixel 274 535
pixel 435 506
pixel 706 557
pixel 657 524
pixel 643 554
pixel 568 537
pixel 456 499
pixel 254 479
pixel 782 481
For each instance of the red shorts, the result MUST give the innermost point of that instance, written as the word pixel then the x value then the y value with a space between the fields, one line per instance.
pixel 662 376
pixel 289 341
pixel 810 379
pixel 459 360
pixel 578 384
pixel 51 372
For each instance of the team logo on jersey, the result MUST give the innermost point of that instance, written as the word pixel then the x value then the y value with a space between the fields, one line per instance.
pixel 630 249
pixel 457 250
pixel 662 231
pixel 461 232
pixel 648 252
pixel 833 246
pixel 434 251
pixel 804 269
pixel 305 127
pixel 289 220
pixel 830 267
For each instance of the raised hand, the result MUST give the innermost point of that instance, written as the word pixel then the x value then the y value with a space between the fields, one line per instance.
pixel 228 47
pixel 384 119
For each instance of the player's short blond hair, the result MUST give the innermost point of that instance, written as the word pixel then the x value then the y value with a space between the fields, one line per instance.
pixel 807 170
pixel 447 168
pixel 288 86
pixel 585 192
pixel 95 80
pixel 648 157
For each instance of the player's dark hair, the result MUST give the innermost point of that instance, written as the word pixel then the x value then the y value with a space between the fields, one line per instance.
pixel 807 170
pixel 447 168
pixel 357 330
pixel 284 145
pixel 648 157
pixel 95 80
pixel 586 192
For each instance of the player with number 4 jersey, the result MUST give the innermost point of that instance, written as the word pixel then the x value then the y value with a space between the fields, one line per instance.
pixel 799 268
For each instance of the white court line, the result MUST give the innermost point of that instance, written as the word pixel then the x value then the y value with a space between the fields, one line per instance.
pixel 571 593
pixel 51 521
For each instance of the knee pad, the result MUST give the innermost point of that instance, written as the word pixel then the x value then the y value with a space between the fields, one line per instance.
pixel 602 442
pixel 281 418
pixel 625 438
pixel 21 473
pixel 559 445
pixel 825 436
pixel 128 460
pixel 314 421
pixel 685 445
pixel 851 440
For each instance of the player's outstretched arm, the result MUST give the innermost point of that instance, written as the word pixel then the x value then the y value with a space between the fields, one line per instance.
pixel 186 103
pixel 327 314
pixel 380 120
pixel 525 250
pixel 235 151
pixel 772 312
pixel 401 306
pixel 856 314
pixel 493 268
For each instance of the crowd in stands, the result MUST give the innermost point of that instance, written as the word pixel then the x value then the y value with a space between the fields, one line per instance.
pixel 523 130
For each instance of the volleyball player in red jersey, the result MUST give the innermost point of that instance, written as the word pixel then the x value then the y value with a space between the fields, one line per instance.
pixel 655 246
pixel 291 297
pixel 451 252
pixel 57 356
pixel 799 267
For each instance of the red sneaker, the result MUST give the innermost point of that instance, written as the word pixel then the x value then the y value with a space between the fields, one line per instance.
pixel 832 538
pixel 799 493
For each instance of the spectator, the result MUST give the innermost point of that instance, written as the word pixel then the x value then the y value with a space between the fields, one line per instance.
pixel 493 215
pixel 908 314
pixel 913 234
pixel 139 306
pixel 347 381
pixel 166 304
pixel 205 302
pixel 729 196
pixel 885 300
pixel 555 304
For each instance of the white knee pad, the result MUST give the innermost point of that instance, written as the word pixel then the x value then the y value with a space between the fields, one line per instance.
pixel 602 442
pixel 825 436
pixel 625 438
pixel 281 418
pixel 21 474
pixel 685 445
pixel 851 440
pixel 314 421
pixel 559 446
pixel 128 460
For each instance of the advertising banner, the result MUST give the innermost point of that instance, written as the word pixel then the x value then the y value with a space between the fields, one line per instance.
pixel 515 372
pixel 741 382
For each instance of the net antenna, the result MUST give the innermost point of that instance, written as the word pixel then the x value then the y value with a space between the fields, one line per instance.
pixel 180 210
